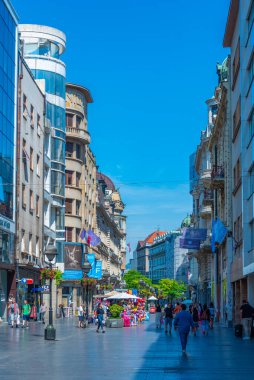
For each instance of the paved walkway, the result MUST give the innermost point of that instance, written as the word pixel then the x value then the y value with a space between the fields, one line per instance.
pixel 136 353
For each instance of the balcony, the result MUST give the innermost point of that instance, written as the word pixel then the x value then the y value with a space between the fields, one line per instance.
pixel 207 197
pixel 205 177
pixel 218 176
pixel 205 211
pixel 77 133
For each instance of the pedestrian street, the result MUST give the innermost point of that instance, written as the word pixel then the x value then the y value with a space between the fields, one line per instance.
pixel 136 353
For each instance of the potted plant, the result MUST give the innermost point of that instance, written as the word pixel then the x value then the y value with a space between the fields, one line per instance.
pixel 115 319
pixel 53 274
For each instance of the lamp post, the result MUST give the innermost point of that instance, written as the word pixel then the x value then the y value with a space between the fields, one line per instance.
pixel 50 331
pixel 86 269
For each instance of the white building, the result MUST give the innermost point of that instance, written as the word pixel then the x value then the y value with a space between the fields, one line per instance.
pixel 239 36
pixel 30 144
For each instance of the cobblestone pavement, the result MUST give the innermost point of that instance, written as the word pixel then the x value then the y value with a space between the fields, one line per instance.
pixel 135 353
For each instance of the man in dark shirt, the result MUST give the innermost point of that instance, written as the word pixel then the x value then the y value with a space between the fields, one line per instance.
pixel 183 322
pixel 168 311
pixel 247 313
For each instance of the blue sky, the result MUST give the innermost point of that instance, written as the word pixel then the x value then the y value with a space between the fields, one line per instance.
pixel 150 66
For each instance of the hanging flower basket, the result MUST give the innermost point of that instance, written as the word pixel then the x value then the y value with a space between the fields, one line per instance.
pixel 51 274
pixel 88 281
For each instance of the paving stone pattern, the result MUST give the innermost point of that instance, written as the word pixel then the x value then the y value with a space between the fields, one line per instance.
pixel 136 353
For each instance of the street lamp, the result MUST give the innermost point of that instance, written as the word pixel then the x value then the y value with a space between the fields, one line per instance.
pixel 50 331
pixel 86 269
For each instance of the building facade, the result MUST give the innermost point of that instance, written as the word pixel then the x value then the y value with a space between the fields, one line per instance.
pixel 30 152
pixel 8 115
pixel 42 48
pixel 80 181
pixel 239 37
pixel 111 228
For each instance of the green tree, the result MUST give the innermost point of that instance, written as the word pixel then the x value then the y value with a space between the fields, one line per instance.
pixel 133 277
pixel 172 289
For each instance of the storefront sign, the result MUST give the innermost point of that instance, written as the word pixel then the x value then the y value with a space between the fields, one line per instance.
pixel 72 275
pixel 7 225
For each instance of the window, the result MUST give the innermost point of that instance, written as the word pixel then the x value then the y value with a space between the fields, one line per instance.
pixel 38 169
pixel 69 149
pixel 24 106
pixel 237 118
pixel 69 120
pixel 68 206
pixel 251 181
pixel 23 196
pixel 236 64
pixel 78 176
pixel 68 234
pixel 30 244
pixel 78 122
pixel 78 204
pixel 78 151
pixel 38 125
pixel 68 177
pixel 37 247
pixel 251 17
pixel 31 201
pixel 31 116
pixel 237 174
pixel 251 124
pixel 31 159
pixel 252 233
pixel 37 206
pixel 77 234
pixel 238 229
pixel 23 243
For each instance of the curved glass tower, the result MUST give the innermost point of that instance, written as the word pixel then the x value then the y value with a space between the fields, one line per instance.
pixel 42 48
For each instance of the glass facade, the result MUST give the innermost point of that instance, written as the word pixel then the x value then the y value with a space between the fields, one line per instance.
pixel 7 110
pixel 55 83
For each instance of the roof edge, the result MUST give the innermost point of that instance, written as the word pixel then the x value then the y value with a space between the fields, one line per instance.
pixel 231 20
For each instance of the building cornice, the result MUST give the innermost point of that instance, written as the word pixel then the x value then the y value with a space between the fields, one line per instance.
pixel 231 21
pixel 82 89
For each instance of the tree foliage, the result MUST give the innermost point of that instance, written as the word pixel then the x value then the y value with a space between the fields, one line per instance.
pixel 133 277
pixel 172 289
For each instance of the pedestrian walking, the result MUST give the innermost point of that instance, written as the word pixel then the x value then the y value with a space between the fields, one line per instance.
pixel 158 316
pixel 43 309
pixel 177 308
pixel 80 315
pixel 168 312
pixel 26 310
pixel 205 319
pixel 100 317
pixel 212 313
pixel 14 312
pixel 195 318
pixel 183 322
pixel 247 313
pixel 61 307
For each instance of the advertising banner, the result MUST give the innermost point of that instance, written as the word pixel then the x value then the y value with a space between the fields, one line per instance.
pixel 189 243
pixel 195 233
pixel 98 269
pixel 72 256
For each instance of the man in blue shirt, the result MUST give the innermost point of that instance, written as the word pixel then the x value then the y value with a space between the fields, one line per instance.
pixel 183 322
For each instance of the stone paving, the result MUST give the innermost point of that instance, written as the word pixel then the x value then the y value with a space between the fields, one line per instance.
pixel 135 353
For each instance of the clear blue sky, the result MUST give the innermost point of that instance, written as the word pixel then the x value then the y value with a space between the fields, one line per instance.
pixel 150 66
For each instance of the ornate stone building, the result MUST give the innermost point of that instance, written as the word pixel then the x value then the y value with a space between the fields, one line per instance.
pixel 111 227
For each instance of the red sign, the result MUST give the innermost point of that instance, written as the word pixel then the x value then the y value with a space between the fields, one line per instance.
pixel 29 281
